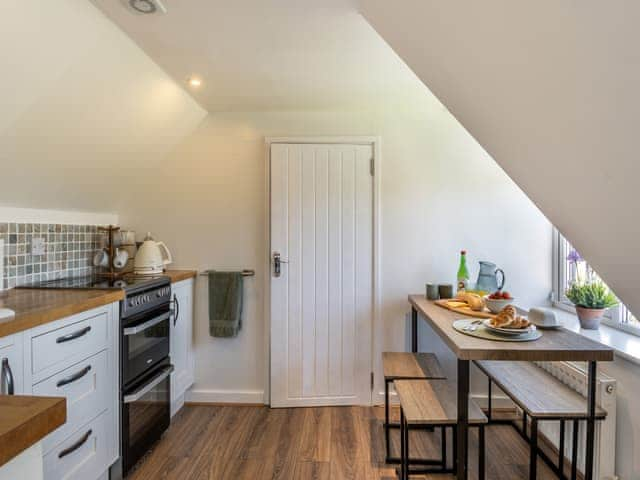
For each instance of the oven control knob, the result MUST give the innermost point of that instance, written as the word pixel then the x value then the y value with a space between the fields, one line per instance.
pixel 131 302
pixel 147 298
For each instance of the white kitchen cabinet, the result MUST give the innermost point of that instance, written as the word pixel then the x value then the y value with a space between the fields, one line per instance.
pixel 77 357
pixel 12 366
pixel 181 342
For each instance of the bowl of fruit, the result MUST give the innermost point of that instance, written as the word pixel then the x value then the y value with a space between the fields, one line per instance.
pixel 498 300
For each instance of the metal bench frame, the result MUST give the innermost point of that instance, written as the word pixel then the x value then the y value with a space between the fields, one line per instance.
pixel 438 465
pixel 532 439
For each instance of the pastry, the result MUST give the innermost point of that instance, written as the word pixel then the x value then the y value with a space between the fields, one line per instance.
pixel 509 318
pixel 505 318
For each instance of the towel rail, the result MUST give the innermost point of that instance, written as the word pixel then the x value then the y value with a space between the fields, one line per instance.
pixel 245 272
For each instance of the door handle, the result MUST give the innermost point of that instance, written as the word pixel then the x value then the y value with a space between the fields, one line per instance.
pixel 138 394
pixel 6 370
pixel 277 264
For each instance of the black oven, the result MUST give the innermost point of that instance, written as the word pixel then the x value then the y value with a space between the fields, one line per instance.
pixel 146 412
pixel 145 371
pixel 145 342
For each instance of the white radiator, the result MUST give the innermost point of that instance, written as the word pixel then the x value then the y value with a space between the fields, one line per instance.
pixel 574 375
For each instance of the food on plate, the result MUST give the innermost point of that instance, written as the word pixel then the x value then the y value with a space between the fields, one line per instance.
pixel 475 301
pixel 509 318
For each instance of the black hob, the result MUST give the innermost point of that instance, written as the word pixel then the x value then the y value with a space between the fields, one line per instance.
pixel 129 283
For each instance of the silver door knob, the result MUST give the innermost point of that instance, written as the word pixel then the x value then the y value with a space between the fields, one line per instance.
pixel 277 264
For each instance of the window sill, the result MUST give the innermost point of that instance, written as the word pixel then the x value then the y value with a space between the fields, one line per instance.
pixel 626 345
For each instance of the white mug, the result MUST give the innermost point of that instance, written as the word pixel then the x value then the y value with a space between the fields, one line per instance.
pixel 101 259
pixel 120 258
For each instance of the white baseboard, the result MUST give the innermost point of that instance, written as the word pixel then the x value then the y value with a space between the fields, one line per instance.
pixel 225 396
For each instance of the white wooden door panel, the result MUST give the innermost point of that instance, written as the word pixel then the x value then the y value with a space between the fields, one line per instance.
pixel 321 314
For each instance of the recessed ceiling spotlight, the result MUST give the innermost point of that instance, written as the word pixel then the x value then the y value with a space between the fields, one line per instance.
pixel 147 6
pixel 195 82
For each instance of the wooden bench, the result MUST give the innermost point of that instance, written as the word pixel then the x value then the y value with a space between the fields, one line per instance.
pixel 433 403
pixel 540 396
pixel 405 366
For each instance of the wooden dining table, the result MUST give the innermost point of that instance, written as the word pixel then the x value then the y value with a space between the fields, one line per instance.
pixel 554 345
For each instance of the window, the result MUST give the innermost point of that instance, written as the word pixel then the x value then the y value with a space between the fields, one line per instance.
pixel 569 266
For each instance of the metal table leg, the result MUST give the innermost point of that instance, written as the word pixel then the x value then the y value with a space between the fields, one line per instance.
pixel 482 452
pixel 403 448
pixel 533 458
pixel 574 450
pixel 561 448
pixel 463 419
pixel 414 330
pixel 591 422
pixel 386 420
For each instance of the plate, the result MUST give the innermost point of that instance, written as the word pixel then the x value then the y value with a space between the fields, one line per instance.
pixel 508 331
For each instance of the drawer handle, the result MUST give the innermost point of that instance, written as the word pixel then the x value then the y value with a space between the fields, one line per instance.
pixel 74 377
pixel 74 335
pixel 75 446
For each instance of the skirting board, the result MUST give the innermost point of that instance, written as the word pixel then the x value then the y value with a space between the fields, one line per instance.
pixel 225 396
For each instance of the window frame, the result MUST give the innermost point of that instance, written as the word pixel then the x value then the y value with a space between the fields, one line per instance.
pixel 614 317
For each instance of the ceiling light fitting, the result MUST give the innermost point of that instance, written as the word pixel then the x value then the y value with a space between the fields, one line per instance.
pixel 147 6
pixel 195 82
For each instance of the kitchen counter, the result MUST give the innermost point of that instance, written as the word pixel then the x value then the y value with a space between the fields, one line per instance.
pixel 179 275
pixel 35 307
pixel 26 420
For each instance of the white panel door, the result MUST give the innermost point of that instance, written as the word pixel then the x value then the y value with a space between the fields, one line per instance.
pixel 321 303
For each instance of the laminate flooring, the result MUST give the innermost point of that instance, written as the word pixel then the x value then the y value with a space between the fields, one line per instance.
pixel 337 443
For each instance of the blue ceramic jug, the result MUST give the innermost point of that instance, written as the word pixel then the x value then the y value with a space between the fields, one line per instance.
pixel 488 277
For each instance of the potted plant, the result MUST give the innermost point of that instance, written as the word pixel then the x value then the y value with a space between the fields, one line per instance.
pixel 591 300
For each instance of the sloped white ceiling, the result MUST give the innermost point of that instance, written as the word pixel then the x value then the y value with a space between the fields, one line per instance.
pixel 85 113
pixel 551 90
pixel 258 55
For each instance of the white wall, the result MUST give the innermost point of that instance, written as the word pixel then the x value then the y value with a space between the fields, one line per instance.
pixel 550 89
pixel 85 114
pixel 440 192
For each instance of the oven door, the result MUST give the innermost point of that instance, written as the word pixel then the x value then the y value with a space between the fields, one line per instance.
pixel 145 343
pixel 146 413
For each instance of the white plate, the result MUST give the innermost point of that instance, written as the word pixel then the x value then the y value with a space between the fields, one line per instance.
pixel 508 331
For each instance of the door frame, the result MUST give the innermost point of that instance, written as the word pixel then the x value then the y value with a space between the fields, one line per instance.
pixel 376 324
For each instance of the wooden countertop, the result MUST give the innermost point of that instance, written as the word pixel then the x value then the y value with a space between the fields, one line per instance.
pixel 179 275
pixel 554 345
pixel 26 420
pixel 35 307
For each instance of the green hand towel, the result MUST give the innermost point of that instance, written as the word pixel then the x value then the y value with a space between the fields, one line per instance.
pixel 225 303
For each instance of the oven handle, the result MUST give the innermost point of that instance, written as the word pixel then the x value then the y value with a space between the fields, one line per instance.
pixel 148 324
pixel 137 395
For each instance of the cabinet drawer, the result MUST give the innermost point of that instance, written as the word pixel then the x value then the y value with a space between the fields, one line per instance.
pixel 83 455
pixel 86 387
pixel 69 344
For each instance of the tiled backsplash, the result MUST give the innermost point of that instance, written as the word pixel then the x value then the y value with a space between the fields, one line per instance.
pixel 69 251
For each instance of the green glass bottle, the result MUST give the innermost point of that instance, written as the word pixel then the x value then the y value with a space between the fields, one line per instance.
pixel 463 273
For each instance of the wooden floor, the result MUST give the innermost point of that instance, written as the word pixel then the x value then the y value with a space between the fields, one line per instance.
pixel 255 443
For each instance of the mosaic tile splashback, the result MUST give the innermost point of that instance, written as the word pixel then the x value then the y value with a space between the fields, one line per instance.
pixel 68 251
